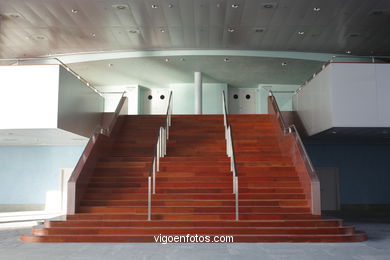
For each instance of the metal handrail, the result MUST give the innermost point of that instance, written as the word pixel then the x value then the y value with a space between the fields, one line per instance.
pixel 160 150
pixel 230 152
pixel 25 61
pixel 316 209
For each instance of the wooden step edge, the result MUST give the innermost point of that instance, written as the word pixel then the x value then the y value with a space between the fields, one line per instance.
pixel 357 237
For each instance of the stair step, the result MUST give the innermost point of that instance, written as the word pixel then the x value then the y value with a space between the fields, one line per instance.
pixel 195 230
pixel 183 209
pixel 358 237
pixel 140 223
pixel 194 187
pixel 195 203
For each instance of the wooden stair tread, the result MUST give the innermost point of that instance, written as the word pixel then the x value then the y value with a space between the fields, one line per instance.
pixel 194 187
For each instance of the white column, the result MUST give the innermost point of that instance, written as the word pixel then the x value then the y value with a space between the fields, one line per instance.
pixel 198 92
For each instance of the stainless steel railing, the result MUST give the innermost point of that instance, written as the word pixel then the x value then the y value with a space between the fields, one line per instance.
pixel 230 152
pixel 160 150
pixel 47 61
pixel 312 175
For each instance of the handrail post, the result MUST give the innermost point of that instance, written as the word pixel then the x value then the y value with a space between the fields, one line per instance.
pixel 154 175
pixel 149 199
pixel 236 197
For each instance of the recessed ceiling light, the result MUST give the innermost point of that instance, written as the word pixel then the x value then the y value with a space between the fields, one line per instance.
pixel 110 65
pixel 259 30
pixel 154 6
pixel 226 60
pixel 170 5
pixel 93 35
pixel 352 35
pixel 378 12
pixel 301 32
pixel 75 11
pixel 40 37
pixel 121 7
pixel 334 132
pixel 162 30
pixel 316 9
pixel 182 59
pixel 230 30
pixel 235 5
pixel 348 52
pixel 269 5
pixel 284 64
pixel 166 59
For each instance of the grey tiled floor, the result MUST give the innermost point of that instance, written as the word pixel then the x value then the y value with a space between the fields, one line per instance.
pixel 377 247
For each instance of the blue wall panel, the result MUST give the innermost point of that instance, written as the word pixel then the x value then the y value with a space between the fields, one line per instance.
pixel 364 170
pixel 28 172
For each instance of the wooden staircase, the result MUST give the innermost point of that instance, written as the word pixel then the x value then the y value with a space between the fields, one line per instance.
pixel 194 188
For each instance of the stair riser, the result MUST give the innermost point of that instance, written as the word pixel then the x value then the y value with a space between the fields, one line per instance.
pixel 173 224
pixel 199 231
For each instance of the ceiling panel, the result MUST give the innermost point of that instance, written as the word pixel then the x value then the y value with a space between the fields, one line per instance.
pixel 88 26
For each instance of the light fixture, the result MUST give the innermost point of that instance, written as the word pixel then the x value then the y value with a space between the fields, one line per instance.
pixel 353 35
pixel 235 5
pixel 269 5
pixel 75 11
pixel 162 30
pixel 110 65
pixel 284 64
pixel 154 6
pixel 170 5
pixel 226 60
pixel 93 35
pixel 316 9
pixel 120 7
pixel 301 32
pixel 40 37
pixel 230 30
pixel 182 59
pixel 166 59
pixel 348 52
pixel 334 132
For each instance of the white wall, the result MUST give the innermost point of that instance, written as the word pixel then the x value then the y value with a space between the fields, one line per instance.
pixel 212 97
pixel 345 95
pixel 79 107
pixel 28 96
pixel 184 98
pixel 112 95
pixel 284 100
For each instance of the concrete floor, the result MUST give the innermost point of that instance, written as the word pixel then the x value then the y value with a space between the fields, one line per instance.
pixel 377 247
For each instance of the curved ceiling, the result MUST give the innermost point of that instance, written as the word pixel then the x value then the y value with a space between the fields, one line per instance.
pixel 51 27
pixel 237 71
